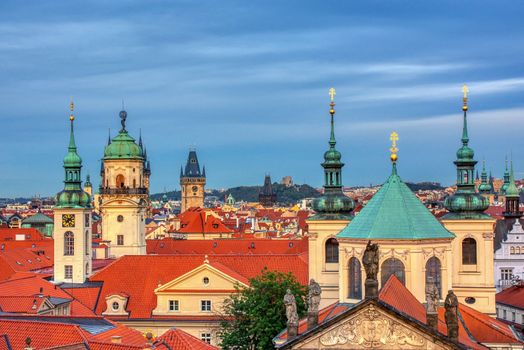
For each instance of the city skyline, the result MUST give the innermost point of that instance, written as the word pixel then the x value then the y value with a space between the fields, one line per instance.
pixel 251 94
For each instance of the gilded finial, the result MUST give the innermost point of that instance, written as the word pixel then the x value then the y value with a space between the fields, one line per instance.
pixel 394 150
pixel 465 91
pixel 72 109
pixel 332 94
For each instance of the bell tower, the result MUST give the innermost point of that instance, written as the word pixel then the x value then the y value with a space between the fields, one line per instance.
pixel 72 214
pixel 473 279
pixel 192 183
pixel 124 193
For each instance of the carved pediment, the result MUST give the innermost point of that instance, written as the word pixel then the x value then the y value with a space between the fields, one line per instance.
pixel 371 328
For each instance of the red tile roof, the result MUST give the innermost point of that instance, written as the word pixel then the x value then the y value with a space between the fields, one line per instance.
pixel 180 340
pixel 29 234
pixel 139 276
pixel 197 221
pixel 512 296
pixel 227 246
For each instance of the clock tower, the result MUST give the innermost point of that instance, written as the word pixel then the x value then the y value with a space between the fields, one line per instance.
pixel 72 229
pixel 124 193
pixel 192 183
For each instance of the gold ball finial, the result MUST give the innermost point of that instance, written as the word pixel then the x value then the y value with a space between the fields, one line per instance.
pixel 332 94
pixel 465 91
pixel 394 150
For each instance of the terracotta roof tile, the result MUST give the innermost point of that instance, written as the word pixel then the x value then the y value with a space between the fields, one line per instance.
pixel 180 340
pixel 513 296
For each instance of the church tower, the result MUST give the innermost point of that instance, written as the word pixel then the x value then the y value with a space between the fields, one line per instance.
pixel 485 188
pixel 88 187
pixel 333 213
pixel 192 183
pixel 267 198
pixel 473 279
pixel 512 201
pixel 72 214
pixel 124 193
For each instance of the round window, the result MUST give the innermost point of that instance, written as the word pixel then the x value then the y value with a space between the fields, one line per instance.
pixel 115 306
pixel 470 300
pixel 120 218
pixel 205 280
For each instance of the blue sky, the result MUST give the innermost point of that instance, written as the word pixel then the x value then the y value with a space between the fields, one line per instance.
pixel 246 82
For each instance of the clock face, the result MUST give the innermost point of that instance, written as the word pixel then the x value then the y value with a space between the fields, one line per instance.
pixel 194 188
pixel 68 220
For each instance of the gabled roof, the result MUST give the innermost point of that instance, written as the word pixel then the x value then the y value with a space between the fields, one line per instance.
pixel 180 340
pixel 196 220
pixel 512 296
pixel 38 218
pixel 395 212
pixel 140 275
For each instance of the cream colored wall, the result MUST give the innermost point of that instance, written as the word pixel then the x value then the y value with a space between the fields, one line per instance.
pixel 413 254
pixel 129 168
pixel 475 281
pixel 132 227
pixel 190 198
pixel 327 275
pixel 81 257
pixel 190 289
pixel 132 207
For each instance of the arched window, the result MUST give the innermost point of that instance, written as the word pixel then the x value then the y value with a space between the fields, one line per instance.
pixel 355 279
pixel 134 183
pixel 469 251
pixel 332 250
pixel 69 243
pixel 517 251
pixel 120 183
pixel 512 250
pixel 392 266
pixel 433 271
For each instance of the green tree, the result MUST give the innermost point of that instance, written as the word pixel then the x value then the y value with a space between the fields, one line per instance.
pixel 255 315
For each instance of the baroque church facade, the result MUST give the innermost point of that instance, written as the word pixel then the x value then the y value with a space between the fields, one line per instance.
pixel 456 252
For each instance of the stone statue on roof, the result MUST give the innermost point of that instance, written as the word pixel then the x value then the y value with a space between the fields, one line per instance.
pixel 451 315
pixel 432 296
pixel 314 296
pixel 370 261
pixel 123 117
pixel 291 308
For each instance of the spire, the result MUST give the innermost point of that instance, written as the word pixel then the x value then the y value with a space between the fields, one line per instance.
pixel 506 177
pixel 465 203
pixel 204 171
pixel 465 138
pixel 72 145
pixel 332 141
pixel 485 185
pixel 109 137
pixel 181 171
pixel 140 138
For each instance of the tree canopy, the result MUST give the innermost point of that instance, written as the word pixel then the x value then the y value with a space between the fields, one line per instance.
pixel 255 315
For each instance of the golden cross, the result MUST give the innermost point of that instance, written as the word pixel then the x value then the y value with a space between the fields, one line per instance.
pixel 394 138
pixel 332 94
pixel 72 105
pixel 465 90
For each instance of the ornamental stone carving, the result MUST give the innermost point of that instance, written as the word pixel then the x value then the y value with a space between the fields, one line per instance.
pixel 394 253
pixel 373 330
pixel 353 252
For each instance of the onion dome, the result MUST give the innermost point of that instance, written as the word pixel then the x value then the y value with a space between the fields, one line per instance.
pixel 484 186
pixel 512 191
pixel 333 205
pixel 123 146
pixel 505 185
pixel 73 196
pixel 465 203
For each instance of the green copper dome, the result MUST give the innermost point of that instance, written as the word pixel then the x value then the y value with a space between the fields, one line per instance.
pixel 123 146
pixel 465 203
pixel 512 191
pixel 394 212
pixel 484 186
pixel 72 196
pixel 333 205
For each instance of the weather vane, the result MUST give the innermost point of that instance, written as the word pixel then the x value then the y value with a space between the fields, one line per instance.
pixel 465 91
pixel 394 150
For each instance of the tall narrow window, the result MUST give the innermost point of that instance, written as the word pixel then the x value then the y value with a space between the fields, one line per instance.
pixel 87 243
pixel 433 267
pixel 120 239
pixel 392 266
pixel 332 251
pixel 355 279
pixel 469 251
pixel 69 243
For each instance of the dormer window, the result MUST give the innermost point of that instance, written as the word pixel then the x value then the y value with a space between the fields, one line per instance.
pixel 116 305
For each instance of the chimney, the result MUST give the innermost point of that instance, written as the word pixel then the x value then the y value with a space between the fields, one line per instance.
pixel 116 339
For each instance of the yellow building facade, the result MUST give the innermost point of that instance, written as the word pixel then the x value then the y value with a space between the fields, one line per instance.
pixel 124 194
